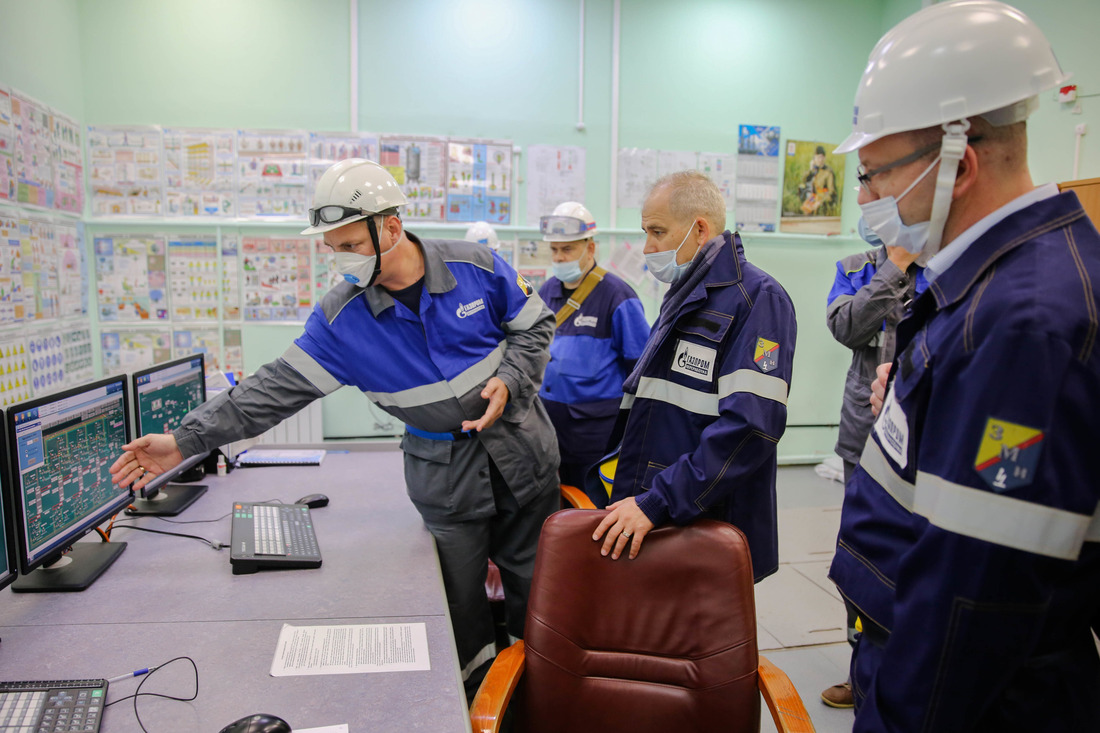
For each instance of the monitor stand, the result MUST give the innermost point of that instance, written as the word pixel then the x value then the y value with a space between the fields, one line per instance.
pixel 169 501
pixel 76 570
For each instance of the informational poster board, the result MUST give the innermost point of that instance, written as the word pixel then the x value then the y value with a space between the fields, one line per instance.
pixel 419 165
pixel 7 147
pixel 555 174
pixel 637 172
pixel 722 169
pixel 193 277
pixel 126 172
pixel 133 349
pixel 479 179
pixel 41 291
pixel 200 167
pixel 68 174
pixel 11 267
pixel 15 371
pixel 33 152
pixel 272 173
pixel 230 277
pixel 206 341
pixel 131 277
pixel 757 178
pixel 277 282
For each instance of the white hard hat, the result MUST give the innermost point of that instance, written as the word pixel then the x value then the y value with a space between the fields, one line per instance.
pixel 569 222
pixel 481 232
pixel 951 61
pixel 354 184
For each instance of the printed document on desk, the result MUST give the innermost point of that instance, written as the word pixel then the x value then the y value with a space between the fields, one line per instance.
pixel 350 649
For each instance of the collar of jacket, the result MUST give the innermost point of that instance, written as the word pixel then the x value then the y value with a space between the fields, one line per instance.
pixel 1040 218
pixel 437 276
pixel 718 265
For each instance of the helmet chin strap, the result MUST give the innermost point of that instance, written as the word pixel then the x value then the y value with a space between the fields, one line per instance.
pixel 373 228
pixel 952 150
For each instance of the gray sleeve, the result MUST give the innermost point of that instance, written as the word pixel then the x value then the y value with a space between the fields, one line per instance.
pixel 855 319
pixel 526 353
pixel 275 392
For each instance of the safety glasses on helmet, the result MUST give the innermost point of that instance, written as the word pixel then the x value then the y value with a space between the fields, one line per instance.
pixel 331 214
pixel 564 226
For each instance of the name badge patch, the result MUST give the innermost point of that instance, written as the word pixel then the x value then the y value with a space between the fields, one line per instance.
pixel 694 360
pixel 1008 454
pixel 586 321
pixel 892 430
pixel 766 356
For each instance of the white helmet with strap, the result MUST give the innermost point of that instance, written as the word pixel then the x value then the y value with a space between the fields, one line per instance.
pixel 943 64
pixel 351 190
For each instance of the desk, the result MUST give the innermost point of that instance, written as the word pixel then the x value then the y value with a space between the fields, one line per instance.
pixel 171 596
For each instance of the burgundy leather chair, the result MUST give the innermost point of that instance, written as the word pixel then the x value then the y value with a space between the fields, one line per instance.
pixel 664 642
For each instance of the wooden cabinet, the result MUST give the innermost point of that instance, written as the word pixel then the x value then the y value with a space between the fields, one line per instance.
pixel 1088 190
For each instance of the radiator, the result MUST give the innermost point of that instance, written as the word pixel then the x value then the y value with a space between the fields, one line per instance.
pixel 304 428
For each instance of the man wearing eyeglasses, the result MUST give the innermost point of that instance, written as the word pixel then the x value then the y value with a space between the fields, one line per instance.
pixel 601 332
pixel 445 336
pixel 969 532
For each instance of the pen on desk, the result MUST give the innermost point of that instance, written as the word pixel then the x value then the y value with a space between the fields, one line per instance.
pixel 135 673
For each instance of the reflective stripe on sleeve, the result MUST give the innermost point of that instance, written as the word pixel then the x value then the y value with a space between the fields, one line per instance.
pixel 438 391
pixel 753 382
pixel 309 368
pixel 527 315
pixel 742 381
pixel 628 402
pixel 1002 520
pixel 878 468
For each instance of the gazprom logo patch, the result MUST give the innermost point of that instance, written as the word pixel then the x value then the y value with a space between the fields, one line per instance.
pixel 467 309
pixel 586 321
pixel 694 360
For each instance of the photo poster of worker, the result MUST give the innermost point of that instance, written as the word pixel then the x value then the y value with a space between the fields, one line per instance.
pixel 812 190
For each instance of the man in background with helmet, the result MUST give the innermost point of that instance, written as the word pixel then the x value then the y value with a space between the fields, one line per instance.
pixel 483 233
pixel 601 332
pixel 446 337
pixel 968 538
pixel 707 401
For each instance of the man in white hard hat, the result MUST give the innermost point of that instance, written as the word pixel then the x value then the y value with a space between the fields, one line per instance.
pixel 601 332
pixel 707 402
pixel 968 537
pixel 482 232
pixel 445 336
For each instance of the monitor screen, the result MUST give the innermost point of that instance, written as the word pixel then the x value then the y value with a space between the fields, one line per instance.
pixel 60 449
pixel 163 395
pixel 7 524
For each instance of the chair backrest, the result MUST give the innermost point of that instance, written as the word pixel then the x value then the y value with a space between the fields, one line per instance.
pixel 663 642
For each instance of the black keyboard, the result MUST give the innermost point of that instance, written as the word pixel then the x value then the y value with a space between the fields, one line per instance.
pixel 52 705
pixel 272 536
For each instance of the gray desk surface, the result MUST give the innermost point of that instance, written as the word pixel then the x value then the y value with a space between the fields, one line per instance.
pixel 171 596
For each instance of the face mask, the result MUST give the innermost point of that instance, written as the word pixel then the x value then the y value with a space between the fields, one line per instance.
pixel 567 272
pixel 883 219
pixel 357 269
pixel 867 234
pixel 663 264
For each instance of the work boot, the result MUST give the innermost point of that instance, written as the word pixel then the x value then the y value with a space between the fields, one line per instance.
pixel 839 696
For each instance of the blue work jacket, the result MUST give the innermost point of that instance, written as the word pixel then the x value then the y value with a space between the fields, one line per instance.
pixel 711 403
pixel 968 532
pixel 592 353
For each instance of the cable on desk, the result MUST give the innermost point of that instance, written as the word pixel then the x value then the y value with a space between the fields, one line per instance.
pixel 213 543
pixel 207 521
pixel 138 693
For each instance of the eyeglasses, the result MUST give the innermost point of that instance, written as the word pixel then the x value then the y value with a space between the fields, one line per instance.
pixel 332 214
pixel 864 176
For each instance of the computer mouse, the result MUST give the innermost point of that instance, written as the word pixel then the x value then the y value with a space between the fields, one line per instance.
pixel 313 501
pixel 258 723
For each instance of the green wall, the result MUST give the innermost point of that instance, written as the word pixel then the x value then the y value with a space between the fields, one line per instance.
pixel 691 71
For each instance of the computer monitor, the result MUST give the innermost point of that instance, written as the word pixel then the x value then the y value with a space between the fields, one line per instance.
pixel 60 449
pixel 7 524
pixel 163 394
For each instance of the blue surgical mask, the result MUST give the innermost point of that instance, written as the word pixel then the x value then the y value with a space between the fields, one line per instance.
pixel 663 265
pixel 867 234
pixel 567 272
pixel 883 219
